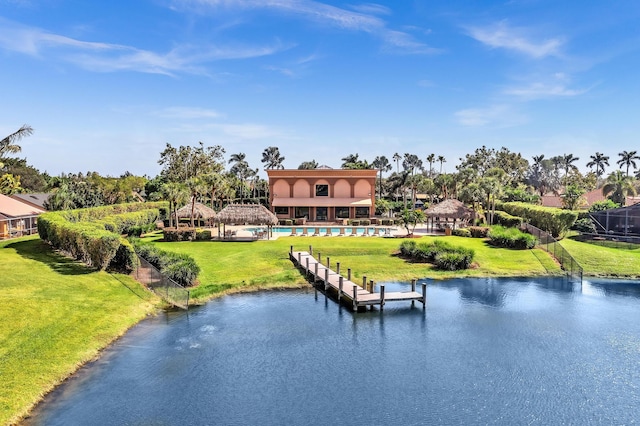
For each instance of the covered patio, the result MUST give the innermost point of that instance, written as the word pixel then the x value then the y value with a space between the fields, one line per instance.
pixel 201 213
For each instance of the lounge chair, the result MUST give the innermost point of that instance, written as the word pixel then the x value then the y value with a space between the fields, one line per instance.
pixel 305 232
pixel 354 231
pixel 341 234
pixel 316 232
pixel 293 231
pixel 328 234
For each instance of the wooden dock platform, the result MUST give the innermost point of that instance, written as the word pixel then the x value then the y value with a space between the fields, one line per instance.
pixel 358 295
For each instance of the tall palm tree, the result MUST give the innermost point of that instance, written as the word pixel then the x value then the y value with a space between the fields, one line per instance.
pixel 567 163
pixel 599 160
pixel 431 158
pixel 619 186
pixel 308 165
pixel 271 158
pixel 441 159
pixel 628 159
pixel 176 193
pixel 8 145
pixel 382 164
pixel 397 158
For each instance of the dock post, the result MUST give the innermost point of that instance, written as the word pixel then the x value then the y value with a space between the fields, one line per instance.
pixel 328 262
pixel 326 279
pixel 413 288
pixel 381 296
pixel 340 289
pixel 348 274
pixel 315 276
pixel 299 258
pixel 306 273
pixel 364 281
pixel 291 250
pixel 424 295
pixel 338 268
pixel 310 250
pixel 319 258
pixel 355 298
pixel 371 286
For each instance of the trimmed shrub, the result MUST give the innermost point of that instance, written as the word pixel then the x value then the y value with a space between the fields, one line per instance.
pixel 408 248
pixel 505 219
pixel 461 232
pixel 179 234
pixel 442 254
pixel 386 222
pixel 511 238
pixel 585 225
pixel 181 268
pixel 453 260
pixel 354 222
pixel 479 231
pixel 203 235
pixel 555 221
pixel 365 222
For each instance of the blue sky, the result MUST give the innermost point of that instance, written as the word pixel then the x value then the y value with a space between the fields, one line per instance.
pixel 106 85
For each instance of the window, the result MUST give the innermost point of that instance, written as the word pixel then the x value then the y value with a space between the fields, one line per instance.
pixel 322 190
pixel 302 212
pixel 342 212
pixel 362 212
pixel 282 210
pixel 321 213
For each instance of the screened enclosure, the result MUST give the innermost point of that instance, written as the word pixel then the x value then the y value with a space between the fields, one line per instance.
pixel 623 221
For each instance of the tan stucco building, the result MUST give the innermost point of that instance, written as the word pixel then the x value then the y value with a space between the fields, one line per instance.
pixel 322 194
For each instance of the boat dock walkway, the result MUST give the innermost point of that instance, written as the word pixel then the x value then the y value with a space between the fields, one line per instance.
pixel 360 296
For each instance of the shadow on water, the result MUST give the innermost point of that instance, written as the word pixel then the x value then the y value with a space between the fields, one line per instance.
pixel 489 292
pixel 41 252
pixel 617 288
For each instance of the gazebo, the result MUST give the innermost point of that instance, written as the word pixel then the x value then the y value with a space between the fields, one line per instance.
pixel 200 212
pixel 449 209
pixel 246 214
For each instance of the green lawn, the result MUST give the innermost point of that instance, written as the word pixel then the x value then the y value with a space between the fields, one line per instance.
pixel 56 314
pixel 599 261
pixel 265 264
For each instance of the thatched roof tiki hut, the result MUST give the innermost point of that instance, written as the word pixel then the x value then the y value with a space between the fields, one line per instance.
pixel 200 212
pixel 246 214
pixel 448 209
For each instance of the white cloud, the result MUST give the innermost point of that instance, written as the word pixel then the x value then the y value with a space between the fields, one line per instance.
pixel 371 8
pixel 364 19
pixel 107 57
pixel 556 86
pixel 501 35
pixel 500 115
pixel 186 113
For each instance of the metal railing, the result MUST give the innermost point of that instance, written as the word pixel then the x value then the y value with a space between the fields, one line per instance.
pixel 164 287
pixel 18 227
pixel 553 247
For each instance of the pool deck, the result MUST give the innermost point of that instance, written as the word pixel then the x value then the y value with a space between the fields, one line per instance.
pixel 347 290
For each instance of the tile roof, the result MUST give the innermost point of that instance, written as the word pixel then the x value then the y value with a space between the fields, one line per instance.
pixel 36 199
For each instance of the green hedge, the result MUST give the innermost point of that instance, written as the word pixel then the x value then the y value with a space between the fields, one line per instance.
pixel 93 235
pixel 505 219
pixel 462 232
pixel 555 221
pixel 179 234
pixel 442 254
pixel 181 268
pixel 479 231
pixel 511 238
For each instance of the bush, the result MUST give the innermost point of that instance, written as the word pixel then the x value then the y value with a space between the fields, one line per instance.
pixel 181 268
pixel 479 231
pixel 354 222
pixel 555 221
pixel 505 219
pixel 365 222
pixel 461 232
pixel 386 222
pixel 585 225
pixel 511 238
pixel 203 235
pixel 179 234
pixel 442 254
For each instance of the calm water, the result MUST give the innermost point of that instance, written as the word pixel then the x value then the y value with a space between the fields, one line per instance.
pixel 485 351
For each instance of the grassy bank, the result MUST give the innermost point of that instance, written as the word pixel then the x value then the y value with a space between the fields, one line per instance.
pixel 233 266
pixel 599 261
pixel 56 314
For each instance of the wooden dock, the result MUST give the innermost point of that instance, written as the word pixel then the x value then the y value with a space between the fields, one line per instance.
pixel 360 296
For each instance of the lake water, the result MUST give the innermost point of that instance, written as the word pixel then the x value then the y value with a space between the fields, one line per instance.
pixel 485 351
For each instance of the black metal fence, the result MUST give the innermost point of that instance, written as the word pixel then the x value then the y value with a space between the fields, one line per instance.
pixel 553 247
pixel 164 287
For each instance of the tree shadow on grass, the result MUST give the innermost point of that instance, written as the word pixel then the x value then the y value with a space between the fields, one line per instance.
pixel 41 252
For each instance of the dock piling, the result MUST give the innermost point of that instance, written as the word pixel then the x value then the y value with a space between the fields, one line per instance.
pixel 338 268
pixel 364 281
pixel 381 296
pixel 306 272
pixel 326 279
pixel 413 288
pixel 310 250
pixel 348 274
pixel 424 295
pixel 340 283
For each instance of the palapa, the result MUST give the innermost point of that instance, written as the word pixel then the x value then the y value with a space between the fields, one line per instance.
pixel 449 208
pixel 200 211
pixel 246 214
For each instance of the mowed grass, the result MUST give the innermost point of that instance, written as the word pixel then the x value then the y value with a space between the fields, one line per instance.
pixel 56 315
pixel 237 266
pixel 599 261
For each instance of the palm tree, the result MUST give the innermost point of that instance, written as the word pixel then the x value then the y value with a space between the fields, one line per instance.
pixel 195 186
pixel 8 145
pixel 431 158
pixel 242 171
pixel 441 159
pixel 619 186
pixel 382 164
pixel 308 165
pixel 176 193
pixel 567 163
pixel 271 158
pixel 599 160
pixel 397 158
pixel 628 159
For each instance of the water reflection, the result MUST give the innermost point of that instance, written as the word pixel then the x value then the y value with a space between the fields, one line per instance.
pixel 487 291
pixel 617 288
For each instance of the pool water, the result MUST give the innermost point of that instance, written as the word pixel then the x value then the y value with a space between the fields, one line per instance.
pixel 485 351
